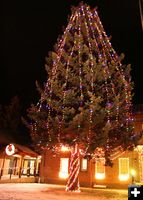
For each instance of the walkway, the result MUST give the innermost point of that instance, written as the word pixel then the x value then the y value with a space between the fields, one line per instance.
pixel 38 191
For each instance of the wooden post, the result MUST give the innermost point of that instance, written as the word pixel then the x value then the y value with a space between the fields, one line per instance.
pixel 15 166
pixel 20 169
pixel 35 167
pixel 1 174
pixel 10 174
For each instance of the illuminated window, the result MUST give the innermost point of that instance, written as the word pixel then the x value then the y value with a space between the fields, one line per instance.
pixel 64 163
pixel 100 168
pixel 84 164
pixel 123 169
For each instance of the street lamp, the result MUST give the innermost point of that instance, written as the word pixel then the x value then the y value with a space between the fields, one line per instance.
pixel 133 173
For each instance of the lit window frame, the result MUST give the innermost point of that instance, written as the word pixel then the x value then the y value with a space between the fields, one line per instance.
pixel 123 176
pixel 63 172
pixel 99 175
pixel 84 165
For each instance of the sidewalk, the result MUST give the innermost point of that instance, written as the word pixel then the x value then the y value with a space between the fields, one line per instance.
pixel 32 191
pixel 16 179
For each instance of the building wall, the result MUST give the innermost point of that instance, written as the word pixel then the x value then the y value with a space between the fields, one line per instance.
pixel 86 177
pixel 112 173
pixel 50 167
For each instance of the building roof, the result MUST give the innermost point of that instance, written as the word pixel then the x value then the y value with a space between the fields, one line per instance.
pixel 24 150
pixel 20 149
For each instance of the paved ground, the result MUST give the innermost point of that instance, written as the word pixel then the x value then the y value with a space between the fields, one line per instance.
pixel 35 191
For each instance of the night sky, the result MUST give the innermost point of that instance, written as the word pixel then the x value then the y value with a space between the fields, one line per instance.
pixel 30 30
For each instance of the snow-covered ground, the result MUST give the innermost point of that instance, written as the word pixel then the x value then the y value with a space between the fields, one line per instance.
pixel 35 191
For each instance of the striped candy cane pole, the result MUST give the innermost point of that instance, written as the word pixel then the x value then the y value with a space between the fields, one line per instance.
pixel 73 180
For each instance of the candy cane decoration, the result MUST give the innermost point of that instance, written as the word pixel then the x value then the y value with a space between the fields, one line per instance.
pixel 73 180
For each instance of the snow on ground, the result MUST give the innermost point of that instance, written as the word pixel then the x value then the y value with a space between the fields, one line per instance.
pixel 35 191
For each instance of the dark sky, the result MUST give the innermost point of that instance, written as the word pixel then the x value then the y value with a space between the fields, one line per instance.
pixel 29 30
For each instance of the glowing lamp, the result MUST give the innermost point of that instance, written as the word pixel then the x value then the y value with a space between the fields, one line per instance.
pixel 10 149
pixel 64 148
pixel 124 177
pixel 133 172
pixel 100 176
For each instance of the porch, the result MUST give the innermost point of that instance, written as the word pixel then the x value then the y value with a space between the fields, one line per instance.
pixel 19 164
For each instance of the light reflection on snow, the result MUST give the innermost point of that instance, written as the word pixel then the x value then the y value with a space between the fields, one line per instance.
pixel 34 191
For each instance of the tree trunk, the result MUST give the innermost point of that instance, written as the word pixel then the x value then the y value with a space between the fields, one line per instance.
pixel 73 179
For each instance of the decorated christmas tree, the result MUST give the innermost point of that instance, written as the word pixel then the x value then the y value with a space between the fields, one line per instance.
pixel 86 101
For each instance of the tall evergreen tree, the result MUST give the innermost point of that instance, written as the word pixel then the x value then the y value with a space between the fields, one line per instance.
pixel 10 119
pixel 86 101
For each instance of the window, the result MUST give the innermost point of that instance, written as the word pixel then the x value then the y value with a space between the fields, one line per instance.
pixel 100 168
pixel 64 163
pixel 84 164
pixel 123 169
